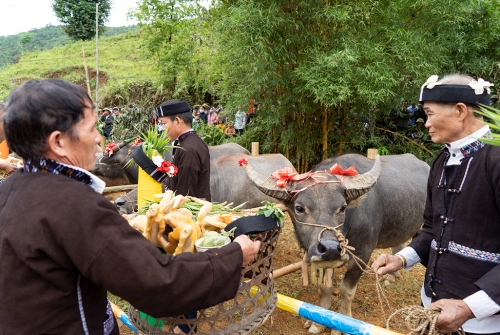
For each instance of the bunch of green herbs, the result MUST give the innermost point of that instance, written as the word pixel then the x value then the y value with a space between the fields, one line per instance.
pixel 270 210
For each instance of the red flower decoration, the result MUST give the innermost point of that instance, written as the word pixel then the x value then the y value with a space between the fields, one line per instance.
pixel 137 142
pixel 109 148
pixel 286 174
pixel 243 162
pixel 336 169
pixel 168 168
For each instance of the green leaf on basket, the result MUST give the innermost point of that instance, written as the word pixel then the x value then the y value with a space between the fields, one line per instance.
pixel 270 209
pixel 269 212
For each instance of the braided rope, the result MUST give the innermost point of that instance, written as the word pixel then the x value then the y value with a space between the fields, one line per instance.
pixel 420 320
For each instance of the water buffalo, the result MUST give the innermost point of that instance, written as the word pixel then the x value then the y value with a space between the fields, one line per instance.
pixel 113 170
pixel 380 207
pixel 228 181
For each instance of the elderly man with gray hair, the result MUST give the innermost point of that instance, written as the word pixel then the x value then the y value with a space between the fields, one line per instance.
pixel 63 245
pixel 459 243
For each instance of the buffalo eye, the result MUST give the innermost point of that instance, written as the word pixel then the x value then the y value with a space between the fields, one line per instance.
pixel 299 209
pixel 342 209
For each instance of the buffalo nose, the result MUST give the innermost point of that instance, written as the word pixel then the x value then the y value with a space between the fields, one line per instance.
pixel 329 250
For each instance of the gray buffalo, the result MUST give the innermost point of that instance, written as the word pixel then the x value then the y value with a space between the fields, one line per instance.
pixel 379 208
pixel 114 171
pixel 228 181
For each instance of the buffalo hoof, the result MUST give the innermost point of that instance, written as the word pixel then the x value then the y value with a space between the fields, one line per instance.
pixel 316 328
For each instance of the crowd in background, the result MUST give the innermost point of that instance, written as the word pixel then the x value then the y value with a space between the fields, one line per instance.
pixel 231 124
pixel 107 118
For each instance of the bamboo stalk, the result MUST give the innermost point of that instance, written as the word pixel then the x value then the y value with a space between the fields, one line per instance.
pixel 87 80
pixel 325 134
pixel 120 188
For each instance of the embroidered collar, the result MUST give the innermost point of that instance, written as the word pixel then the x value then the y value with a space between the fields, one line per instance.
pixel 466 146
pixel 48 165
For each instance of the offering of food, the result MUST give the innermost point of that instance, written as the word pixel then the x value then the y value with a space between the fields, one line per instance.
pixel 215 239
pixel 176 222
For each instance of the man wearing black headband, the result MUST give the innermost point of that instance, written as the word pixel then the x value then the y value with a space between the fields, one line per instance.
pixel 459 243
pixel 192 157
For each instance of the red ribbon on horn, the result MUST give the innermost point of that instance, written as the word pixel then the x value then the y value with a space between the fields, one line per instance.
pixel 286 174
pixel 109 148
pixel 243 162
pixel 336 169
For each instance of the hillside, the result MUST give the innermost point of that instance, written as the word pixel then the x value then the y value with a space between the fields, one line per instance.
pixel 12 47
pixel 122 68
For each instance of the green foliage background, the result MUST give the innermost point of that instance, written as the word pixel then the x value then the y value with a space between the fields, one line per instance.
pixel 333 77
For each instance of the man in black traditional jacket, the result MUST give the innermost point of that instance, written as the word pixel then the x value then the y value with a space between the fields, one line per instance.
pixel 192 157
pixel 460 240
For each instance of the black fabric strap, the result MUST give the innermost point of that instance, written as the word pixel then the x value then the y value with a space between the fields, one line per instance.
pixel 252 225
pixel 147 164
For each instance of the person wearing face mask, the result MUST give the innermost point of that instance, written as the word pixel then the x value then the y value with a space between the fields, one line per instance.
pixel 203 114
pixel 212 117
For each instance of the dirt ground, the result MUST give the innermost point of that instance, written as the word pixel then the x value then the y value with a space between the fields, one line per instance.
pixel 365 307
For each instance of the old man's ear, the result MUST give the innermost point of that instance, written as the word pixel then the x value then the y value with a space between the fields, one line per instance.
pixel 55 144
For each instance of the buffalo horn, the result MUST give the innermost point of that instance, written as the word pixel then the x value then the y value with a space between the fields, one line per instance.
pixel 358 185
pixel 266 184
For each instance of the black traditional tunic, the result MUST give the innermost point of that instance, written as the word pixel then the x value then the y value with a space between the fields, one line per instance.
pixel 193 161
pixel 460 240
pixel 63 246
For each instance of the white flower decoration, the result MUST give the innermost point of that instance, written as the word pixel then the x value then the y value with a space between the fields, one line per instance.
pixel 171 171
pixel 432 81
pixel 157 159
pixel 480 85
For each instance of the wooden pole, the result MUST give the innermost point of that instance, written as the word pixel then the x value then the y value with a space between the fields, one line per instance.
pixel 120 188
pixel 372 153
pixel 86 71
pixel 255 148
pixel 286 270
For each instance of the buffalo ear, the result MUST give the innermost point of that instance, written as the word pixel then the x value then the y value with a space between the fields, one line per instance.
pixel 358 185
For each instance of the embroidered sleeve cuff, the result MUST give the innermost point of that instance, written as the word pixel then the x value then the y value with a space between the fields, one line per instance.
pixel 481 305
pixel 411 257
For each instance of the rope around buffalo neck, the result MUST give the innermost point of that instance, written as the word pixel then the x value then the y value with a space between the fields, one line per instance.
pixel 420 320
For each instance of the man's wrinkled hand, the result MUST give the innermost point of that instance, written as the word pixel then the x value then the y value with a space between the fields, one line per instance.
pixel 250 248
pixel 386 263
pixel 453 314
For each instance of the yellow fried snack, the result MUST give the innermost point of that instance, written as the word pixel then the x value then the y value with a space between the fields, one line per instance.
pixel 139 223
pixel 186 243
pixel 212 223
pixel 150 214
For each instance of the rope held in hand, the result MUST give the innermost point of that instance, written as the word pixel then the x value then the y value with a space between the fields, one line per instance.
pixel 420 320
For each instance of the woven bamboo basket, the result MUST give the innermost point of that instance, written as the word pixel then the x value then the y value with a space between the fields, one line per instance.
pixel 240 315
